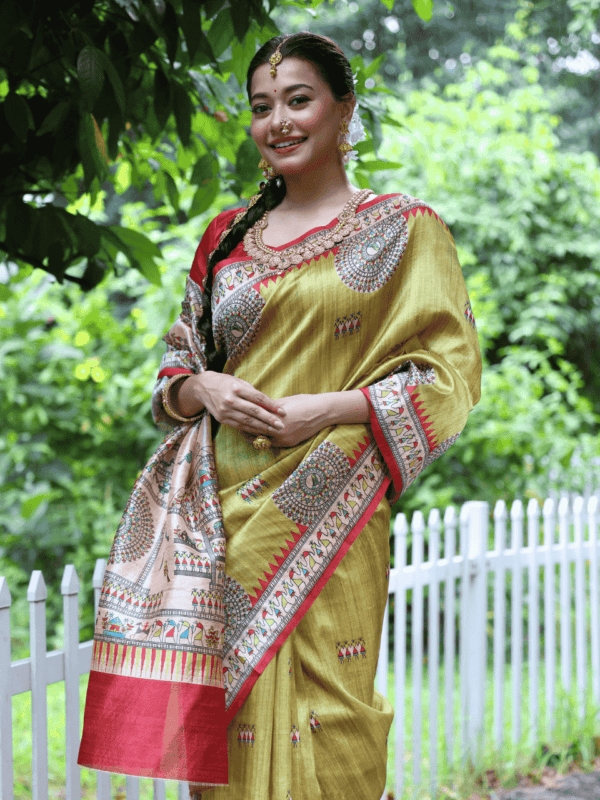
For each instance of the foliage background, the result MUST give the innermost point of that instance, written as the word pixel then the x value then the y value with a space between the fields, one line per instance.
pixel 472 110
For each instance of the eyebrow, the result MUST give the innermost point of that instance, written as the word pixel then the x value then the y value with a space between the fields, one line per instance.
pixel 287 90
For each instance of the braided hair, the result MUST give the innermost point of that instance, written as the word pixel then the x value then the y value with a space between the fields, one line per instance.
pixel 334 68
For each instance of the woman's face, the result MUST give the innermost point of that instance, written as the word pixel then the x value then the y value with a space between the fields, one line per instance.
pixel 297 94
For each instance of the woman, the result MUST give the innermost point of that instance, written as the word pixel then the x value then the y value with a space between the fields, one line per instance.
pixel 327 332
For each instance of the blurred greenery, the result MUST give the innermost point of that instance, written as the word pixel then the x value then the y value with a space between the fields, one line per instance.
pixel 503 145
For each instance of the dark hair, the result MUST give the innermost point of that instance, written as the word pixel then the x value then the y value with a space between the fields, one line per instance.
pixel 334 68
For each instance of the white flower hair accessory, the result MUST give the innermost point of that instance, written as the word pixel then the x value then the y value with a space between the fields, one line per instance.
pixel 356 133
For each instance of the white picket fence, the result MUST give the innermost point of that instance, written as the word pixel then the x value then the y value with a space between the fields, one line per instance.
pixel 463 577
pixel 455 583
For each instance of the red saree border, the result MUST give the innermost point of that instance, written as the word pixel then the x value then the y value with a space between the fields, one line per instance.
pixel 183 735
pixel 307 603
pixel 168 372
pixel 384 447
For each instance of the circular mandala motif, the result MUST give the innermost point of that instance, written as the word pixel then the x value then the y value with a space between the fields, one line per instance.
pixel 367 261
pixel 235 319
pixel 135 533
pixel 237 605
pixel 311 488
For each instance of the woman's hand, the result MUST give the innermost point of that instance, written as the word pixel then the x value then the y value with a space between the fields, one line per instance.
pixel 305 415
pixel 234 402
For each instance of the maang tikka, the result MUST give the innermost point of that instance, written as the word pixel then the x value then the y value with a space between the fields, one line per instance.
pixel 275 59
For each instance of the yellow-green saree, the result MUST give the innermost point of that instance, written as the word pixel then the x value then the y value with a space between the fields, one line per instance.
pixel 237 638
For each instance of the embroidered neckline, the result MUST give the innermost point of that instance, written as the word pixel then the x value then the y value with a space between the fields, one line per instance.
pixel 318 243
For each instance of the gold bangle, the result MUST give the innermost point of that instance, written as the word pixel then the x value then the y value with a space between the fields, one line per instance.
pixel 261 443
pixel 167 405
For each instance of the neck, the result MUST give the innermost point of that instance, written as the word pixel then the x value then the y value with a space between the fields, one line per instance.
pixel 319 187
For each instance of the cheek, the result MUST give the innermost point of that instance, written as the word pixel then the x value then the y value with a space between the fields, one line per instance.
pixel 318 120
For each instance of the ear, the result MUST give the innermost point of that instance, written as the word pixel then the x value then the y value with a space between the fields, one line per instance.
pixel 348 105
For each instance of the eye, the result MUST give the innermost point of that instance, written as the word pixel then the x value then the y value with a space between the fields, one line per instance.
pixel 260 108
pixel 300 98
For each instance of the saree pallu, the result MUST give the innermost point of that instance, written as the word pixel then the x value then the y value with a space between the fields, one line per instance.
pixel 237 636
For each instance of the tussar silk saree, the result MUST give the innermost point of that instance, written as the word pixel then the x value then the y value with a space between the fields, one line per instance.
pixel 239 624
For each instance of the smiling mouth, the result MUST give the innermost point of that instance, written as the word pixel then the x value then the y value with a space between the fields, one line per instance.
pixel 283 146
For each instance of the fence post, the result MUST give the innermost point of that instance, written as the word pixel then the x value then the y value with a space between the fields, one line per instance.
pixel 516 617
pixel 69 588
pixel 103 789
pixel 400 534
pixel 433 649
pixel 594 597
pixel 36 595
pixel 476 642
pixel 6 748
pixel 564 535
pixel 500 517
pixel 533 626
pixel 549 618
pixel 450 522
pixel 417 529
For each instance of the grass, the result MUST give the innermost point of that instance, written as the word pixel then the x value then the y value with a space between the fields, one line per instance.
pixel 566 740
pixel 571 739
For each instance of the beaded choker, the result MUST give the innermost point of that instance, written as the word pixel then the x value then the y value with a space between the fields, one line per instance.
pixel 317 244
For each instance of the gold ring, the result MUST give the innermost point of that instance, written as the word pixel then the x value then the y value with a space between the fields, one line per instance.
pixel 261 443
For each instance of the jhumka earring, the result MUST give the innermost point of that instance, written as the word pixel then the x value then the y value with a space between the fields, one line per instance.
pixel 274 60
pixel 345 146
pixel 267 169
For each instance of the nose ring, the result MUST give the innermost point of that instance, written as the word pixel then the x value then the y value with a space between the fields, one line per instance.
pixel 285 126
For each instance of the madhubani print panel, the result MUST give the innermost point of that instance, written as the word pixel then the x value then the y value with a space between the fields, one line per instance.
pixel 399 421
pixel 306 560
pixel 314 485
pixel 236 320
pixel 161 613
pixel 366 261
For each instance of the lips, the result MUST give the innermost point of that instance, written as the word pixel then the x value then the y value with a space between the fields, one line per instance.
pixel 286 144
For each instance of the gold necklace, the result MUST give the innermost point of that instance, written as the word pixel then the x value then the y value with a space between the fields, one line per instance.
pixel 317 244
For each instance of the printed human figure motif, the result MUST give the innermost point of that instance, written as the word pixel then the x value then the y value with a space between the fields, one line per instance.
pixel 315 722
pixel 295 733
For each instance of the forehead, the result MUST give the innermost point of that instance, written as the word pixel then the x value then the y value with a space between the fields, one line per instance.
pixel 290 71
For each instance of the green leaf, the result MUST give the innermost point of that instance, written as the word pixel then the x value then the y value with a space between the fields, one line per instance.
pixel 162 97
pixel 373 67
pixel 170 28
pixel 246 165
pixel 191 26
pixel 172 191
pixel 221 33
pixel 204 197
pixel 241 20
pixel 18 114
pixel 183 112
pixel 54 120
pixel 389 4
pixel 149 269
pixel 242 54
pixel 90 72
pixel 115 81
pixel 30 506
pixel 91 158
pixel 135 241
pixel 206 168
pixel 424 8
pixel 376 166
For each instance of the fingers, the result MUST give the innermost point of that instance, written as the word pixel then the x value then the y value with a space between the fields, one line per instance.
pixel 248 392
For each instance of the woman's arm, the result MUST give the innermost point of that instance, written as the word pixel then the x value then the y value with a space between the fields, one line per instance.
pixel 230 400
pixel 307 414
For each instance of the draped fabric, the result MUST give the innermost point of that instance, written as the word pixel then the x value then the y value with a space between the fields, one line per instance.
pixel 238 631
